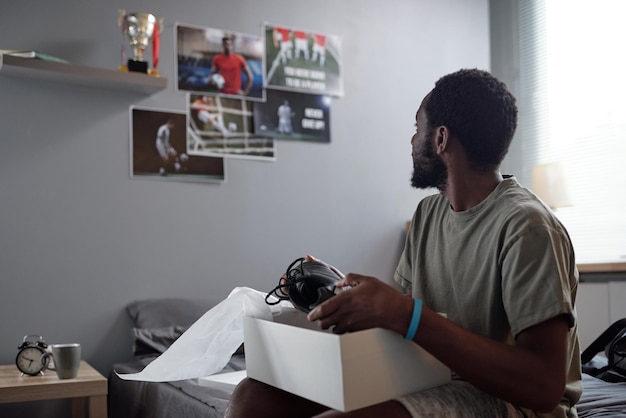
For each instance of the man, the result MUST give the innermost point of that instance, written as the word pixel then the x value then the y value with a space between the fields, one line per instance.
pixel 284 118
pixel 230 65
pixel 164 147
pixel 319 48
pixel 204 107
pixel 302 44
pixel 282 41
pixel 487 253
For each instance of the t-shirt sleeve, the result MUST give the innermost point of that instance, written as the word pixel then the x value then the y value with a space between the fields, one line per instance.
pixel 242 62
pixel 402 275
pixel 538 273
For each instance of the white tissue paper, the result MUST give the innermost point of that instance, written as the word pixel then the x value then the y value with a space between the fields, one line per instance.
pixel 207 346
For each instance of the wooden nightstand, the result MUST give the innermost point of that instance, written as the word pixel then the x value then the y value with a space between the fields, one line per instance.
pixel 88 390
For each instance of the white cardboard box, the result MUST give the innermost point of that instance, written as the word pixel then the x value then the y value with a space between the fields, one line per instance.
pixel 344 372
pixel 224 381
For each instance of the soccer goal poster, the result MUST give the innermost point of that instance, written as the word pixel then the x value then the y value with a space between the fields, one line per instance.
pixel 158 145
pixel 293 116
pixel 224 127
pixel 219 62
pixel 303 61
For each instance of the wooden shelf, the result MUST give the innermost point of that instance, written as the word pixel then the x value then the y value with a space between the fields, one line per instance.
pixel 610 267
pixel 80 75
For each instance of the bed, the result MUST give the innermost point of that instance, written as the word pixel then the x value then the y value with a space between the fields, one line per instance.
pixel 158 322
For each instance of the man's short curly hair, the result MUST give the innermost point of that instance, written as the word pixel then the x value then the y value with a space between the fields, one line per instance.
pixel 479 110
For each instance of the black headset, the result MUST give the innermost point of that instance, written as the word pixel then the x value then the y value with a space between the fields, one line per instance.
pixel 306 284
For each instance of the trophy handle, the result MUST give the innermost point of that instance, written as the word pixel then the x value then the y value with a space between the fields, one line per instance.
pixel 160 22
pixel 120 17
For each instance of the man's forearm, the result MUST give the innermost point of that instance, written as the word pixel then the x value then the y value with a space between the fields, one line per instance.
pixel 524 376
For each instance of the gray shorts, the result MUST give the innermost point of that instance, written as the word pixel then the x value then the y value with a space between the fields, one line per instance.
pixel 458 399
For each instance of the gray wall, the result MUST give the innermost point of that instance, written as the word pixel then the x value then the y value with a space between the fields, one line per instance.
pixel 80 238
pixel 503 21
pixel 504 28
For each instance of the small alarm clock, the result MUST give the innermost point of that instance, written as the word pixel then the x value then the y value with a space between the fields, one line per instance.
pixel 31 356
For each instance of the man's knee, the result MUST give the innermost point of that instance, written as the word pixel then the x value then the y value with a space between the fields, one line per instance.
pixel 247 388
pixel 254 398
pixel 243 396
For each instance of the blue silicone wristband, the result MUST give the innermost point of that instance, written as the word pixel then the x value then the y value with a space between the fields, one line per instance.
pixel 415 319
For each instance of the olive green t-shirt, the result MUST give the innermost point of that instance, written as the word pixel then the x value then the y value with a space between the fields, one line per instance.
pixel 496 269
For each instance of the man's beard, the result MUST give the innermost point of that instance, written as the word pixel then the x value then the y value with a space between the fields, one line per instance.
pixel 428 170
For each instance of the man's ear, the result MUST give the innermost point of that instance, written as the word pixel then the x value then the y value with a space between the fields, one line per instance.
pixel 443 135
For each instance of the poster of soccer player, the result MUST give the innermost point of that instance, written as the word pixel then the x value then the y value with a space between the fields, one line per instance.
pixel 293 116
pixel 219 62
pixel 303 61
pixel 158 149
pixel 223 127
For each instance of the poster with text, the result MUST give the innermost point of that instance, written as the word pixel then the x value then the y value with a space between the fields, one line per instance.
pixel 303 61
pixel 293 116
pixel 219 62
pixel 224 127
pixel 158 149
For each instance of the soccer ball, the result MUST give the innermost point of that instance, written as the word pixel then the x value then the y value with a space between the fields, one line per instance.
pixel 184 158
pixel 217 80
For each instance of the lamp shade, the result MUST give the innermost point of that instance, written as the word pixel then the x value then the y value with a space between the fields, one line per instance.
pixel 550 184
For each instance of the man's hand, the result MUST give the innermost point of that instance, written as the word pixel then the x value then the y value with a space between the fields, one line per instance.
pixel 369 303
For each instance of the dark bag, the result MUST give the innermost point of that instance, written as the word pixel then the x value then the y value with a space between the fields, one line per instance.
pixel 613 343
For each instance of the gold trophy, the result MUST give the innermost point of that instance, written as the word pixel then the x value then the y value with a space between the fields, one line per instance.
pixel 139 28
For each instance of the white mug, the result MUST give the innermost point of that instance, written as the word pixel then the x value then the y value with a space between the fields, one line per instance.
pixel 66 359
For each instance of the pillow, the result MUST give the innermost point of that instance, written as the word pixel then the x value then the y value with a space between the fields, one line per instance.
pixel 166 312
pixel 150 341
pixel 155 341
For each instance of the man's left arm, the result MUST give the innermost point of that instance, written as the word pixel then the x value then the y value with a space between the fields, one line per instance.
pixel 531 373
pixel 246 68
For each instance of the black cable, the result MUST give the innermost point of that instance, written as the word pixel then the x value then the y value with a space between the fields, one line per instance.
pixel 290 280
pixel 306 284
